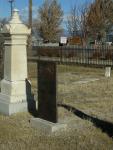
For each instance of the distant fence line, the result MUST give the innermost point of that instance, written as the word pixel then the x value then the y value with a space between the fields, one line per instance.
pixel 93 55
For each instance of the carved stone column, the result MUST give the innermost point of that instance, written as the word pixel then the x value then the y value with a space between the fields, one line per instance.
pixel 13 86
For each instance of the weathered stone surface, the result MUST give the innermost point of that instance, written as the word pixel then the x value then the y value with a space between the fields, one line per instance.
pixel 13 86
pixel 46 127
pixel 8 108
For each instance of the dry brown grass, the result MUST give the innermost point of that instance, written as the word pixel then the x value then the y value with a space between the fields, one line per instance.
pixel 94 98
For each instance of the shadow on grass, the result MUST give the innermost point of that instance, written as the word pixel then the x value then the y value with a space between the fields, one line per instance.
pixel 31 103
pixel 105 126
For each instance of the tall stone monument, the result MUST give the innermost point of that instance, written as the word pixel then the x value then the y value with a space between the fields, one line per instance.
pixel 13 86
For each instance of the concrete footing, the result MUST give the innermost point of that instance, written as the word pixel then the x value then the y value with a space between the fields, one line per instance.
pixel 46 127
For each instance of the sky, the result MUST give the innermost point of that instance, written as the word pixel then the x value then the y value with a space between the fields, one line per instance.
pixel 22 5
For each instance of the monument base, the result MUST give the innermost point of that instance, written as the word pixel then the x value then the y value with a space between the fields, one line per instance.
pixel 9 108
pixel 46 127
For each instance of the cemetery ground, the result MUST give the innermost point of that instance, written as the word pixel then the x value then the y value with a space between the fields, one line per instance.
pixel 85 100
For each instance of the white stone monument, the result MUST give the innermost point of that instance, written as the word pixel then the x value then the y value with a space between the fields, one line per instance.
pixel 13 96
pixel 107 72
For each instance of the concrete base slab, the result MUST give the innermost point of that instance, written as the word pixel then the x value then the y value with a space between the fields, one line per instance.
pixel 11 108
pixel 46 127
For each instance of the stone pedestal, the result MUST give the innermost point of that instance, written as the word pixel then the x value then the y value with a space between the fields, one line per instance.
pixel 13 87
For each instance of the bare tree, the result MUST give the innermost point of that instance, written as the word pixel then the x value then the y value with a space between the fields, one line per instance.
pixel 2 23
pixel 83 22
pixel 77 21
pixel 51 15
pixel 100 18
pixel 73 21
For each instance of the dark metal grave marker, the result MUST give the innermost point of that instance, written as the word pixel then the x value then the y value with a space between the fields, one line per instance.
pixel 47 106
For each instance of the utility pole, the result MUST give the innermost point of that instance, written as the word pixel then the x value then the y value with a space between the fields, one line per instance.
pixel 30 13
pixel 11 5
pixel 29 52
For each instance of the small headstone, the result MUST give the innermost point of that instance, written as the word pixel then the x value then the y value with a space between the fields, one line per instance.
pixel 107 72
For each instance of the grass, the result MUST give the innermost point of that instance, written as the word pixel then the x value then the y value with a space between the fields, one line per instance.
pixel 87 108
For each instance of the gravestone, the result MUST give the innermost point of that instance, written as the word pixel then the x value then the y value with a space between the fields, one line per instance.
pixel 47 121
pixel 107 71
pixel 47 105
pixel 13 86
